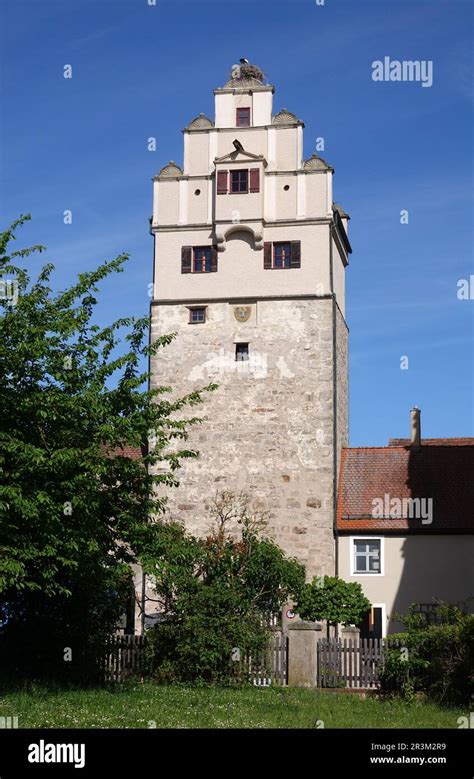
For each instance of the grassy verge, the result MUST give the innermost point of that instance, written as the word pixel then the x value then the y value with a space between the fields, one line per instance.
pixel 142 705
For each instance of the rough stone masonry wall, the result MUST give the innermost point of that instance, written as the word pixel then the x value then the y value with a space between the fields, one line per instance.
pixel 342 367
pixel 268 428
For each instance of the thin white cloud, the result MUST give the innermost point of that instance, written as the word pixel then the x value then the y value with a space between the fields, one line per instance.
pixel 95 35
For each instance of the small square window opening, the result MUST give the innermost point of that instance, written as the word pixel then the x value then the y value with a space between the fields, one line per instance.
pixel 197 316
pixel 241 352
pixel 243 117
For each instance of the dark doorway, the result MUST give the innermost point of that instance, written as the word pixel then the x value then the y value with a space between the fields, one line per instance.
pixel 371 625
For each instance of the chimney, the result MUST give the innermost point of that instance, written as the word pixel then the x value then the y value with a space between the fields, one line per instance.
pixel 415 414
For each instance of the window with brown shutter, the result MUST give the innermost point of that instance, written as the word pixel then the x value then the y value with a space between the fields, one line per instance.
pixel 214 259
pixel 222 182
pixel 267 255
pixel 295 261
pixel 282 254
pixel 199 259
pixel 254 180
pixel 186 259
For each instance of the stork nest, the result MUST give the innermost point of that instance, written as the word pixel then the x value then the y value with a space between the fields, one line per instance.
pixel 251 71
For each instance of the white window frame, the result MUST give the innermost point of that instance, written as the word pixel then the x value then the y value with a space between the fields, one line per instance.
pixel 356 574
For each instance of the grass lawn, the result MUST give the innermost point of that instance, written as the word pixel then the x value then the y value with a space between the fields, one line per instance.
pixel 188 707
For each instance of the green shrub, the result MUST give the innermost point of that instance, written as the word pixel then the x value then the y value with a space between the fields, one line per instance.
pixel 436 659
pixel 218 594
pixel 396 676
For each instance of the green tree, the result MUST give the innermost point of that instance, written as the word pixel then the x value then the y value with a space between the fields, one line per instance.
pixel 74 508
pixel 334 600
pixel 218 593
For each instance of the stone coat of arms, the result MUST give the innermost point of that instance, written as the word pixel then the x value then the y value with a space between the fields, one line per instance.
pixel 242 313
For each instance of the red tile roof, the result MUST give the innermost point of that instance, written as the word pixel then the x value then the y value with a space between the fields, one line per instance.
pixel 442 469
pixel 133 452
pixel 433 442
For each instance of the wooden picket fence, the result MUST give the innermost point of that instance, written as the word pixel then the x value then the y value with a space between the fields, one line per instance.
pixel 278 651
pixel 341 663
pixel 123 656
pixel 348 663
pixel 271 667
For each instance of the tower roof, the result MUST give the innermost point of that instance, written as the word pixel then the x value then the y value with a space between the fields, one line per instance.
pixel 285 117
pixel 171 170
pixel 316 163
pixel 200 122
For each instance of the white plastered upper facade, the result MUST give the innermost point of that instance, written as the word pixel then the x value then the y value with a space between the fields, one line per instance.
pixel 294 201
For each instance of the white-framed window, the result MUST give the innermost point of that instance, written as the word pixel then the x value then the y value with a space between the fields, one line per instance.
pixel 367 556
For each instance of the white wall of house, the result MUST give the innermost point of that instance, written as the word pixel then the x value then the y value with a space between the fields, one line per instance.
pixel 414 569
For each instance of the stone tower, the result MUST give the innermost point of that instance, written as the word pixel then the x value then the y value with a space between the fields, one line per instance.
pixel 249 262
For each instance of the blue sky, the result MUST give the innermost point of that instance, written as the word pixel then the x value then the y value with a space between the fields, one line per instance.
pixel 141 71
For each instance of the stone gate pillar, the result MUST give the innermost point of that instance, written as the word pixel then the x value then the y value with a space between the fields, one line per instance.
pixel 350 632
pixel 303 653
